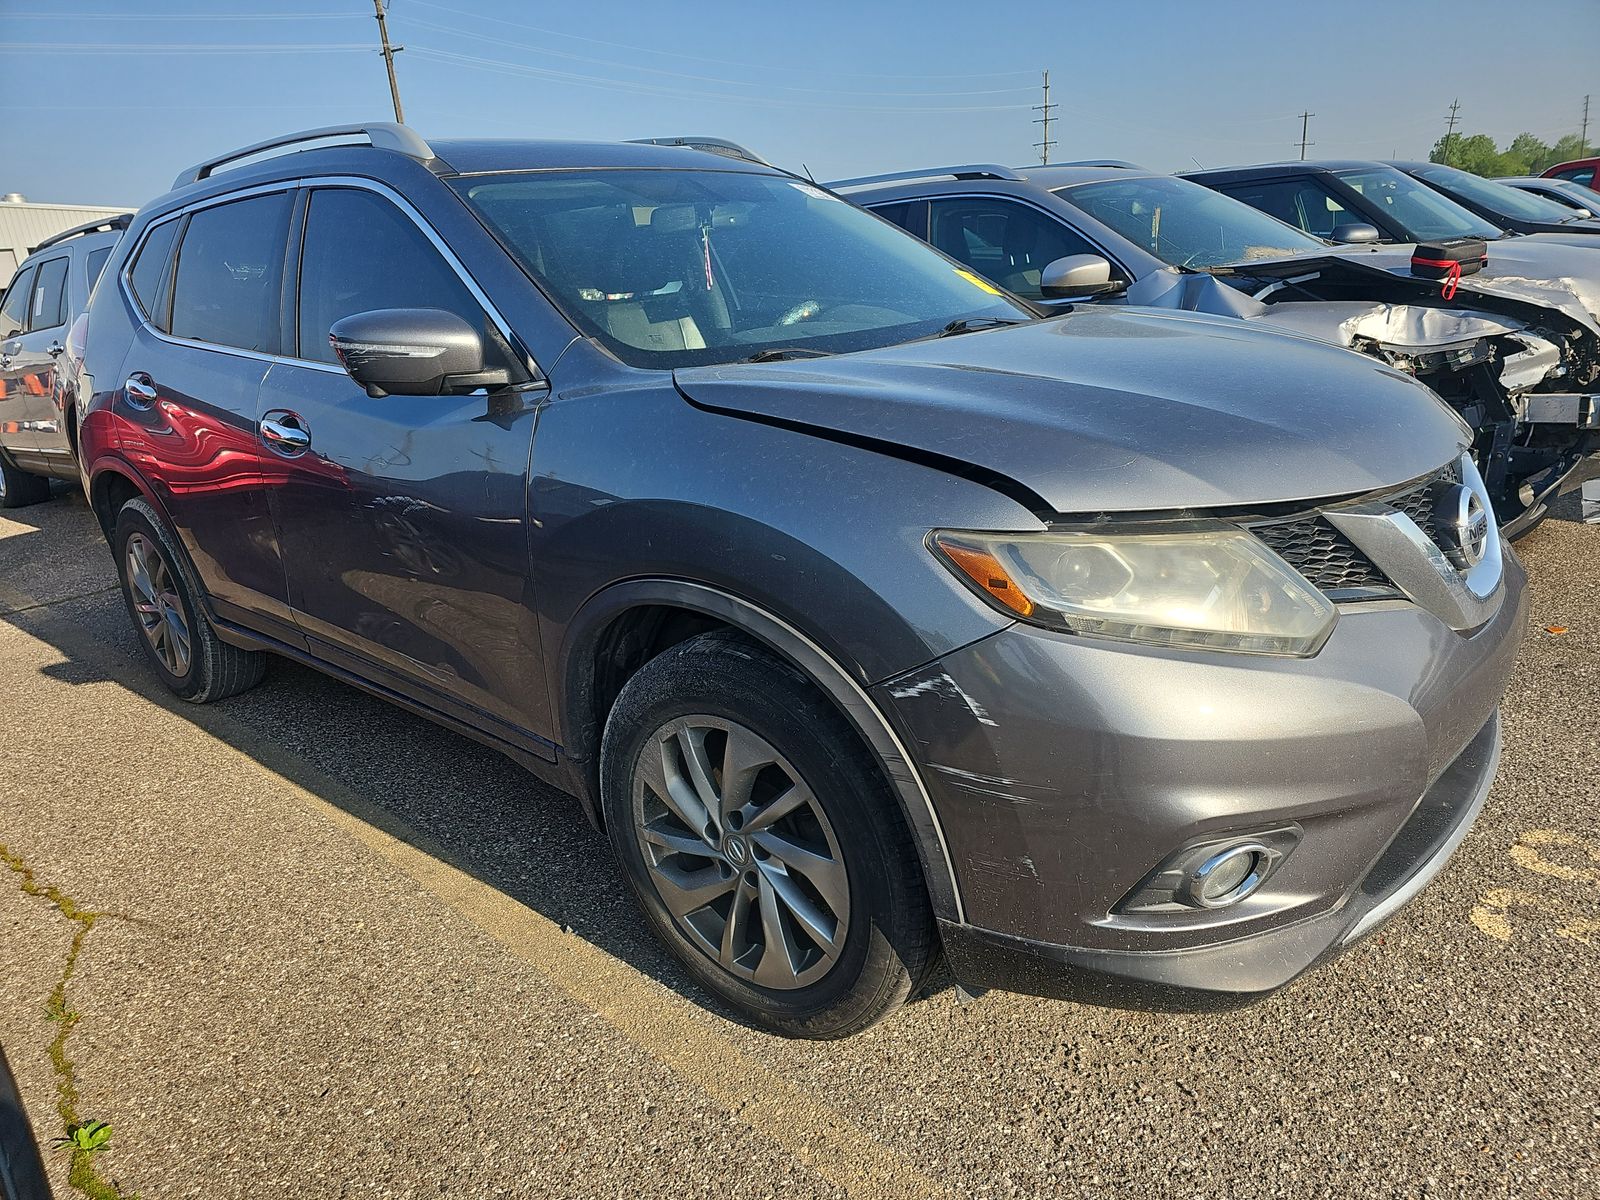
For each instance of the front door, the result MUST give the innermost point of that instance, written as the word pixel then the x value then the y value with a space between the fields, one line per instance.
pixel 402 519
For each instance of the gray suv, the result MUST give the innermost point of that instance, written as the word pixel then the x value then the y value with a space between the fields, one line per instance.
pixel 46 296
pixel 1140 657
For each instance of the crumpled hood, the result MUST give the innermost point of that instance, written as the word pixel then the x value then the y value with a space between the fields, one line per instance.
pixel 1114 410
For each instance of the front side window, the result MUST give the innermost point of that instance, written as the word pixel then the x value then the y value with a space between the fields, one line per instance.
pixel 669 268
pixel 362 253
pixel 1424 214
pixel 14 312
pixel 49 307
pixel 1187 225
pixel 1302 203
pixel 1002 240
pixel 229 277
pixel 149 276
pixel 1496 197
pixel 1583 175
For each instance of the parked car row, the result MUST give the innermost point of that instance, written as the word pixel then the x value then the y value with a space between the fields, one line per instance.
pixel 1053 600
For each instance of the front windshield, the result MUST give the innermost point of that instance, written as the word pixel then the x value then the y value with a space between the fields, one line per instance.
pixel 1424 214
pixel 670 268
pixel 1496 197
pixel 1185 224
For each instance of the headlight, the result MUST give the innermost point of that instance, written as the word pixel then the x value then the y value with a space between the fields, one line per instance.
pixel 1215 588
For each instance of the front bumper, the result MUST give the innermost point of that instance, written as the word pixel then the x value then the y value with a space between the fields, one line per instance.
pixel 1234 973
pixel 1065 771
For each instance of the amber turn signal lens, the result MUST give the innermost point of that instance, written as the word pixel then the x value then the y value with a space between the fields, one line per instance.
pixel 984 569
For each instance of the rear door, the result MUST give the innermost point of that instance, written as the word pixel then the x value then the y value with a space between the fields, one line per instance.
pixel 403 519
pixel 190 385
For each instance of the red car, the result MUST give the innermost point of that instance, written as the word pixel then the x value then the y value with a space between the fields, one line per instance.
pixel 1579 170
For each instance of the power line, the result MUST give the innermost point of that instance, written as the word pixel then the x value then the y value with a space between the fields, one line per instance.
pixel 1305 124
pixel 1046 108
pixel 179 48
pixel 1450 132
pixel 388 53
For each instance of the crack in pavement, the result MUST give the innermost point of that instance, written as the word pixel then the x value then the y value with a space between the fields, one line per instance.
pixel 82 1174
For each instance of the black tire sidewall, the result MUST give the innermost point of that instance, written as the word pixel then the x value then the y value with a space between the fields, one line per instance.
pixel 889 938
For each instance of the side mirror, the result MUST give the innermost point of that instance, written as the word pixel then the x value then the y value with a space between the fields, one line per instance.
pixel 1356 232
pixel 1076 275
pixel 413 352
pixel 1581 211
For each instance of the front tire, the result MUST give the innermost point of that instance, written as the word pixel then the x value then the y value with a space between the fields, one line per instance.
pixel 762 841
pixel 163 600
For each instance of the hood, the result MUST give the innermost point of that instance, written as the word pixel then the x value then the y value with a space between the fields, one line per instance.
pixel 1114 410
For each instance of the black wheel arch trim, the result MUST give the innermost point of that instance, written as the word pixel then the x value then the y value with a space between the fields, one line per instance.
pixel 575 676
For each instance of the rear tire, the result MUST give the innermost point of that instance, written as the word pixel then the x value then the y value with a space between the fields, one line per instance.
pixel 794 890
pixel 17 487
pixel 163 600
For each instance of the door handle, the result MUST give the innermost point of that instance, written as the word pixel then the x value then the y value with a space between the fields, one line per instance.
pixel 140 390
pixel 284 433
pixel 55 349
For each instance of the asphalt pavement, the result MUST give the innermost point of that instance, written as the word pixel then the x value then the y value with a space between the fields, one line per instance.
pixel 327 949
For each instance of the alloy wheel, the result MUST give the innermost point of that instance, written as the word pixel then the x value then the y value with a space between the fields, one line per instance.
pixel 740 852
pixel 156 604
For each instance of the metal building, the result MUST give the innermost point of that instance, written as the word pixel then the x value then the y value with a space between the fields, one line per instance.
pixel 23 226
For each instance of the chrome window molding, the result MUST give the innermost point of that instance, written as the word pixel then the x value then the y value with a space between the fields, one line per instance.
pixel 313 183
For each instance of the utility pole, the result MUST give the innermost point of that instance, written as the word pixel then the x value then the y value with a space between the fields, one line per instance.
pixel 1046 108
pixel 1583 138
pixel 1450 132
pixel 388 53
pixel 1305 124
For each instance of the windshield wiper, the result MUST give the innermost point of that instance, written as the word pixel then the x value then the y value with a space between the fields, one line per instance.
pixel 972 324
pixel 778 353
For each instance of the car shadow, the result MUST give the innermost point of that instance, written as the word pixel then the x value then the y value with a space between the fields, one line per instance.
pixel 449 797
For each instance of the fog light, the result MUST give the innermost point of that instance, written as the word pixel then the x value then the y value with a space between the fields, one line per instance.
pixel 1228 876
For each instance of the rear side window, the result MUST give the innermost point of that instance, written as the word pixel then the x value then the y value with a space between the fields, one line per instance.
pixel 96 263
pixel 1583 175
pixel 910 215
pixel 229 277
pixel 149 274
pixel 14 312
pixel 49 307
pixel 362 253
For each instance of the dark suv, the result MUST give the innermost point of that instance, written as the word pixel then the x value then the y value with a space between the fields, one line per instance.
pixel 48 295
pixel 870 613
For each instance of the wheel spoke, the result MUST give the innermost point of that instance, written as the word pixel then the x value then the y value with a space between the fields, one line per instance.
pixel 822 927
pixel 826 874
pixel 692 747
pixel 139 575
pixel 738 918
pixel 657 834
pixel 685 892
pixel 742 760
pixel 786 803
pixel 662 777
pixel 777 966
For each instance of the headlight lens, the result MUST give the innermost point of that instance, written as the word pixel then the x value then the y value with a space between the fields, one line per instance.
pixel 1214 588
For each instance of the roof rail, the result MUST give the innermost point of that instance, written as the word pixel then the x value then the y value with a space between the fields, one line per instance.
pixel 970 171
pixel 1118 163
pixel 711 145
pixel 383 135
pixel 104 224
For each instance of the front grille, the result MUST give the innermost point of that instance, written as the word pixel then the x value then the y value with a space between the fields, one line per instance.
pixel 1321 553
pixel 1331 561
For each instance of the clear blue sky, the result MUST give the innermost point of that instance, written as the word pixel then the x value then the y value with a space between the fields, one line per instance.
pixel 103 101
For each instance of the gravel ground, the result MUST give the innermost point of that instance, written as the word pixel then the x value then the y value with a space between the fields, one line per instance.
pixel 353 955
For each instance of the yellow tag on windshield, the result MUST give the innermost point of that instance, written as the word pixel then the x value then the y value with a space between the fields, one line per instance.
pixel 982 283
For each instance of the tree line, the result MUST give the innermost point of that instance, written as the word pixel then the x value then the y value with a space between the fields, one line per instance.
pixel 1526 155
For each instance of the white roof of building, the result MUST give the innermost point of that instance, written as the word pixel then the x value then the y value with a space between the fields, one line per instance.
pixel 24 225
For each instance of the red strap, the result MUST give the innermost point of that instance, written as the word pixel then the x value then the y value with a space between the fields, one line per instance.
pixel 1452 276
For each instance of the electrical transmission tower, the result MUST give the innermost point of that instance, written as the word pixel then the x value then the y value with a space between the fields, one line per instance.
pixel 1046 108
pixel 1305 124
